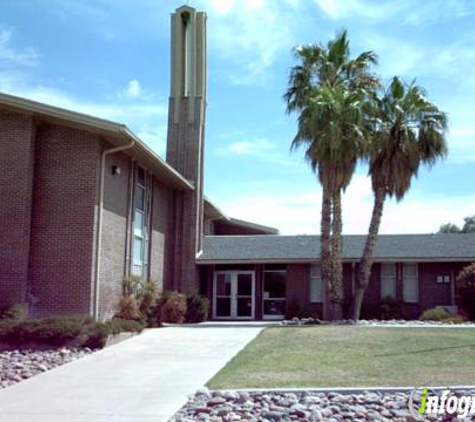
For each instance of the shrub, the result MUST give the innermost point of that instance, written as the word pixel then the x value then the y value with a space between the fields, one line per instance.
pixel 128 308
pixel 456 319
pixel 197 307
pixel 435 314
pixel 60 331
pixel 171 307
pixel 55 331
pixel 131 286
pixel 147 298
pixel 14 311
pixel 465 283
pixel 294 310
pixel 119 325
pixel 5 327
pixel 390 308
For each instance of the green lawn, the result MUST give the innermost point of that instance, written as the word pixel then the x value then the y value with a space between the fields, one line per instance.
pixel 352 356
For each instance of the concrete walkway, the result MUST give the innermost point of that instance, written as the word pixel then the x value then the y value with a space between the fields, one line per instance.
pixel 143 379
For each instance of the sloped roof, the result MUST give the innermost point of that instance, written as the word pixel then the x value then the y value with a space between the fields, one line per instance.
pixel 213 212
pixel 116 133
pixel 304 248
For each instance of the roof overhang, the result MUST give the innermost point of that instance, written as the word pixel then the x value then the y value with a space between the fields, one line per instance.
pixel 116 133
pixel 316 260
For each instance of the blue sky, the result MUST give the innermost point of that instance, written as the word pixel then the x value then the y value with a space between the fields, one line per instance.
pixel 110 58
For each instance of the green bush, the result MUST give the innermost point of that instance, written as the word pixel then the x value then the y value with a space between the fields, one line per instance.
pixel 197 308
pixel 55 331
pixel 118 325
pixel 14 311
pixel 60 331
pixel 171 307
pixel 435 314
pixel 390 308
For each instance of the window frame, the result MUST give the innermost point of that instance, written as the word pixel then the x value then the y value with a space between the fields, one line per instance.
pixel 315 277
pixel 410 277
pixel 385 277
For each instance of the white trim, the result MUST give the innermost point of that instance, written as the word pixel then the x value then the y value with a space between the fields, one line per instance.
pixel 234 297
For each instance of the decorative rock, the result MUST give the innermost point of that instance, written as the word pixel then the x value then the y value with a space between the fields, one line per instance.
pixel 17 365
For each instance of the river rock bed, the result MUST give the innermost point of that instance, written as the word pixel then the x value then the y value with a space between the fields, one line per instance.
pixel 366 406
pixel 376 322
pixel 18 365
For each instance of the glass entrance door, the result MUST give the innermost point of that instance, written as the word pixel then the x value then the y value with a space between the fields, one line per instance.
pixel 234 295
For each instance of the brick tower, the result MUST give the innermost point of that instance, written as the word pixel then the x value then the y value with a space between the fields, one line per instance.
pixel 185 138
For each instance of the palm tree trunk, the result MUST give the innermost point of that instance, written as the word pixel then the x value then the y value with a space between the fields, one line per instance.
pixel 336 257
pixel 325 248
pixel 366 262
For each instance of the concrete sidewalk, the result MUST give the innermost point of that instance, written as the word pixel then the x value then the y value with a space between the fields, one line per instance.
pixel 143 379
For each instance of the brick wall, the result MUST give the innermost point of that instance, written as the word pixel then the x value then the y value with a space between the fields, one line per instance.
pixel 63 220
pixel 16 165
pixel 114 232
pixel 185 152
pixel 161 236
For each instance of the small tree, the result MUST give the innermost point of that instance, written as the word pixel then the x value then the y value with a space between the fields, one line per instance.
pixel 465 283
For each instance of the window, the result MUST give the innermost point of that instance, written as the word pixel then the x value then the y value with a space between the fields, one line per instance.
pixel 316 284
pixel 274 291
pixel 140 215
pixel 410 283
pixel 388 281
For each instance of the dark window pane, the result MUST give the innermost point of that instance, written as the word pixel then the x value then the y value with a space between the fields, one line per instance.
pixel 274 307
pixel 141 176
pixel 244 307
pixel 274 284
pixel 223 307
pixel 223 285
pixel 139 198
pixel 244 287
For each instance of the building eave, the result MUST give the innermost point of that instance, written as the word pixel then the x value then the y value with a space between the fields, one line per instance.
pixel 116 133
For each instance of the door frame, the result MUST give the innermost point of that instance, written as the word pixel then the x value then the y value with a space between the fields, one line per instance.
pixel 233 298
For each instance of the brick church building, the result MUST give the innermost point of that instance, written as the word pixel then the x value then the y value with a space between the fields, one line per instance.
pixel 85 203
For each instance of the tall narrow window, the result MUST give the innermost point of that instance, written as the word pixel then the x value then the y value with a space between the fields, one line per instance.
pixel 140 217
pixel 316 284
pixel 388 281
pixel 410 283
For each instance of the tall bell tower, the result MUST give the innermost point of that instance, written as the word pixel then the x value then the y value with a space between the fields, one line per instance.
pixel 185 138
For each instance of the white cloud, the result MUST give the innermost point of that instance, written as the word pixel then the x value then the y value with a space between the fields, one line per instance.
pixel 298 211
pixel 339 9
pixel 134 89
pixel 410 12
pixel 257 147
pixel 263 150
pixel 10 57
pixel 250 34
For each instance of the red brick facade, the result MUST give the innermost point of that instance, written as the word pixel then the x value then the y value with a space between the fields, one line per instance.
pixel 48 219
pixel 431 292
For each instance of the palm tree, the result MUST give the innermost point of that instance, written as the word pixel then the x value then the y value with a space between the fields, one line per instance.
pixel 409 131
pixel 328 90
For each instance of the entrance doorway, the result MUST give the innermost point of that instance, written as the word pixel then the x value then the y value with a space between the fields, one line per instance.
pixel 233 295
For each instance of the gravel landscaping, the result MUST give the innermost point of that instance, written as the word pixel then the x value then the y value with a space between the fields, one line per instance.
pixel 377 323
pixel 17 365
pixel 229 406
